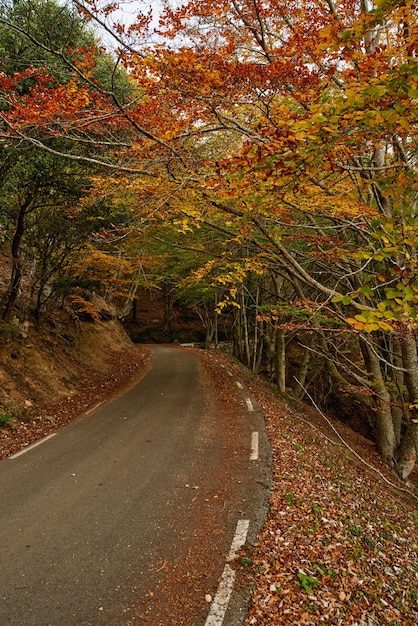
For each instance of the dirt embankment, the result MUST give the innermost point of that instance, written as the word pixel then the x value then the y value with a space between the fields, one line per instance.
pixel 51 374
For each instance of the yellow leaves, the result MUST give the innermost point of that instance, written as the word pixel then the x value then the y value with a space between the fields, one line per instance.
pixel 403 123
pixel 96 264
pixel 225 302
pixel 184 225
pixel 329 38
pixel 375 118
pixel 413 408
pixel 84 308
pixel 367 324
pixel 324 33
pixel 73 97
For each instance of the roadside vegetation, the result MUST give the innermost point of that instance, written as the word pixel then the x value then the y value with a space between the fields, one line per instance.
pixel 254 162
pixel 339 545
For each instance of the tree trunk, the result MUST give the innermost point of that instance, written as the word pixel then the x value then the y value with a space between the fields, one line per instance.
pixel 385 432
pixel 281 360
pixel 303 372
pixel 215 323
pixel 16 277
pixel 237 337
pixel 255 347
pixel 407 451
pixel 246 340
pixel 398 404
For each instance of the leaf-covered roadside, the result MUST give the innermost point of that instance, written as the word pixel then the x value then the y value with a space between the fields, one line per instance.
pixel 340 543
pixel 93 386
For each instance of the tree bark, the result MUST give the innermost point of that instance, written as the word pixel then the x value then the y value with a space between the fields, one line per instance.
pixel 385 431
pixel 16 276
pixel 407 451
pixel 246 339
pixel 398 404
pixel 303 372
pixel 281 360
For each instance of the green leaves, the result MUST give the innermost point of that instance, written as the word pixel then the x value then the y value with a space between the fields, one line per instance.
pixel 308 583
pixel 343 299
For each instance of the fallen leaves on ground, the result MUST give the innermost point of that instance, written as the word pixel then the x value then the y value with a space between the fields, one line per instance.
pixel 340 542
pixel 94 387
pixel 339 546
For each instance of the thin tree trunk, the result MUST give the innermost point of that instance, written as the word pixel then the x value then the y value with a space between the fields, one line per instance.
pixel 246 340
pixel 406 455
pixel 216 335
pixel 397 396
pixel 407 451
pixel 281 360
pixel 16 277
pixel 256 340
pixel 237 337
pixel 303 373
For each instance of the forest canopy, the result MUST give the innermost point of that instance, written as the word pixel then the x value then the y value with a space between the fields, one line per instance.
pixel 256 158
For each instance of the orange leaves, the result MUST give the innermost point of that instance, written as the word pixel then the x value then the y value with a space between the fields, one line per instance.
pixel 43 101
pixel 183 69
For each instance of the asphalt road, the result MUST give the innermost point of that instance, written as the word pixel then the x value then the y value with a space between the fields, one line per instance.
pixel 126 515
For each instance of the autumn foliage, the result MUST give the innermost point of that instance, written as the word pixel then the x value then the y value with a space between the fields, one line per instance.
pixel 278 139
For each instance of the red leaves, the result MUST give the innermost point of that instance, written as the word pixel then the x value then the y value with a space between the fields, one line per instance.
pixel 36 104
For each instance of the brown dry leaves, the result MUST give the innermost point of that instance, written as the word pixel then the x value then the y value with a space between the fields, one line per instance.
pixel 94 386
pixel 340 544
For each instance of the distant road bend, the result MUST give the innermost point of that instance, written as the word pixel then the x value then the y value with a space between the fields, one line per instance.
pixel 126 516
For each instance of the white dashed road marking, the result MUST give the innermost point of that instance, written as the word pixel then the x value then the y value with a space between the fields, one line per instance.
pixel 223 594
pixel 239 538
pixel 221 600
pixel 254 447
pixel 226 585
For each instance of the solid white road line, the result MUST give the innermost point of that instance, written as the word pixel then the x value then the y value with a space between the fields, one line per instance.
pixel 34 445
pixel 249 405
pixel 254 447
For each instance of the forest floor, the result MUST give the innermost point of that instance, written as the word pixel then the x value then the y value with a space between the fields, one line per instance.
pixel 339 546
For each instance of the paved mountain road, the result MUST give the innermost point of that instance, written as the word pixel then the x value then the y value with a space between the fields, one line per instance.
pixel 126 516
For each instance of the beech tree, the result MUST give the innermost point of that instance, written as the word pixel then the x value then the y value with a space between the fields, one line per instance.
pixel 315 189
pixel 322 97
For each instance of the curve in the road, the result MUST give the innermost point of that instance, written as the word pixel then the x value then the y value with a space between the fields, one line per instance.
pixel 126 515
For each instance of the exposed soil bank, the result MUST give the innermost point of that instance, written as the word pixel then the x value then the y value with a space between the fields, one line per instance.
pixel 50 375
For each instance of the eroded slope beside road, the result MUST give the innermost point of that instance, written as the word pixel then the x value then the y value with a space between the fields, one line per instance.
pixel 126 516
